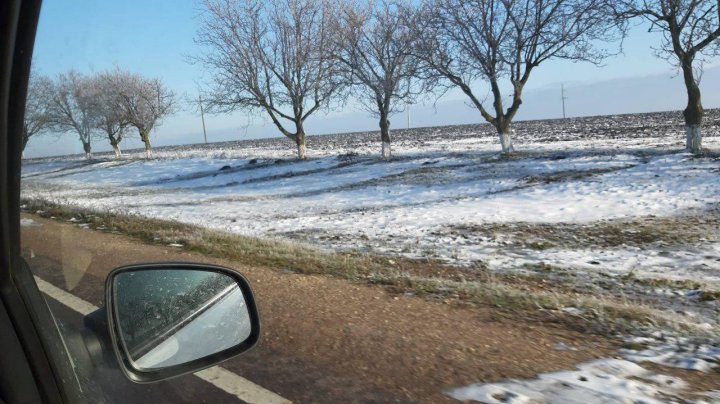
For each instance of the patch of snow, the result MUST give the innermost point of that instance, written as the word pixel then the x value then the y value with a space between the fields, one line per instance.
pixel 572 310
pixel 703 357
pixel 713 395
pixel 600 381
pixel 561 346
pixel 29 223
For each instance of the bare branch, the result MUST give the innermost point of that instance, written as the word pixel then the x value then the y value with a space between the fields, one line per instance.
pixel 501 42
pixel 145 103
pixel 271 56
pixel 72 107
pixel 37 119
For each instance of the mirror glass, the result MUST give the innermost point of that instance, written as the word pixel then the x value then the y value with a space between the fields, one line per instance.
pixel 168 317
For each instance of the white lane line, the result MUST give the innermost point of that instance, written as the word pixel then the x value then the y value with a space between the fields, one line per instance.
pixel 221 378
pixel 240 387
pixel 81 306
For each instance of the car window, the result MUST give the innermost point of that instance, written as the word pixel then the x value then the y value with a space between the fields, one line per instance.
pixel 433 200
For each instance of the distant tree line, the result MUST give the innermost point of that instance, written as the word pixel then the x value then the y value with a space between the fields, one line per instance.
pixel 106 105
pixel 289 59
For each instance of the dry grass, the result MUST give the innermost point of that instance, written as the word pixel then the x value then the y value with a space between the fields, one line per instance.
pixel 669 231
pixel 459 286
pixel 663 282
pixel 251 251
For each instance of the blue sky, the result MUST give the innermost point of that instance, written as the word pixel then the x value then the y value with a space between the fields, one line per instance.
pixel 155 38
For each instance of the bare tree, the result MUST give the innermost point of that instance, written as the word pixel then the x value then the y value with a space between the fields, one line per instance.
pixel 145 102
pixel 690 30
pixel 37 108
pixel 375 53
pixel 502 41
pixel 112 118
pixel 72 107
pixel 274 56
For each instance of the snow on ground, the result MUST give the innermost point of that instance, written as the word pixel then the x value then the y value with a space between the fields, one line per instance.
pixel 532 214
pixel 405 206
pixel 422 203
pixel 606 205
pixel 675 353
pixel 29 223
pixel 600 381
pixel 622 380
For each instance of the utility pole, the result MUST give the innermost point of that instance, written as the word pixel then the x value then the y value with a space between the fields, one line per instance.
pixel 562 92
pixel 407 104
pixel 158 107
pixel 407 108
pixel 202 116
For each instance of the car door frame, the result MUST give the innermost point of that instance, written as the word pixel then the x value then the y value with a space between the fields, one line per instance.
pixel 35 365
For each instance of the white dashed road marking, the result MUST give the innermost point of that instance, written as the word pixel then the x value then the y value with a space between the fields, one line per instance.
pixel 221 378
pixel 238 386
pixel 81 306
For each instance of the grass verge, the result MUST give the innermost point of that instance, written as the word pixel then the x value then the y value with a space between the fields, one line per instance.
pixel 476 286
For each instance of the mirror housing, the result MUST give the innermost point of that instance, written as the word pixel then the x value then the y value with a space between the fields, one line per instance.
pixel 190 308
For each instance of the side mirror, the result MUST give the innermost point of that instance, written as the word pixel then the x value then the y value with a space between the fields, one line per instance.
pixel 168 319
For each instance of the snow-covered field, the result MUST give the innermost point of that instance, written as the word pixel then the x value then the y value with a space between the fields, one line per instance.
pixel 606 205
pixel 582 202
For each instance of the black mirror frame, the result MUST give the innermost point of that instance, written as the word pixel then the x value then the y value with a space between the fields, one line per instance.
pixel 149 376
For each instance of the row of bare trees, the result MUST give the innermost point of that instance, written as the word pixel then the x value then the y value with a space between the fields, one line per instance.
pixel 291 58
pixel 104 105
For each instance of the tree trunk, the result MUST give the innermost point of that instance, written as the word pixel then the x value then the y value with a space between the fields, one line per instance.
pixel 505 138
pixel 86 147
pixel 148 150
pixel 693 141
pixel 300 142
pixel 385 136
pixel 694 111
pixel 145 136
pixel 115 146
pixel 116 149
